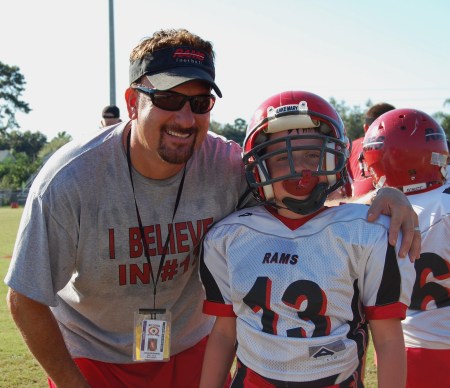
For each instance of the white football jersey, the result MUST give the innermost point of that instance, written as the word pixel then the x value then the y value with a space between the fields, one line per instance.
pixel 302 297
pixel 428 319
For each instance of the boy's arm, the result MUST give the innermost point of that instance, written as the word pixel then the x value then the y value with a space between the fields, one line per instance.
pixel 389 345
pixel 219 354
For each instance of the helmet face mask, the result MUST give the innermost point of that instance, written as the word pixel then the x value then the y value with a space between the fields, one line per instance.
pixel 406 149
pixel 258 157
pixel 287 125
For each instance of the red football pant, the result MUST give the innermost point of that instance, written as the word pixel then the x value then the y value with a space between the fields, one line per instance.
pixel 428 367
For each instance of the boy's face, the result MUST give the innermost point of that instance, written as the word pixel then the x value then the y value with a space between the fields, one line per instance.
pixel 303 161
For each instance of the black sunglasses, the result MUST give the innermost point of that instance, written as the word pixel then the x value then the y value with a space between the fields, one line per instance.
pixel 173 101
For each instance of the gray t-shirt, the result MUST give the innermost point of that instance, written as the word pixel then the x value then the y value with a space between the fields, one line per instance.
pixel 79 248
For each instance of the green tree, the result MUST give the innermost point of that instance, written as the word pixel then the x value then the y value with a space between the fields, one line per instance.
pixel 12 84
pixel 4 142
pixel 234 131
pixel 444 119
pixel 27 142
pixel 353 117
pixel 56 143
pixel 15 170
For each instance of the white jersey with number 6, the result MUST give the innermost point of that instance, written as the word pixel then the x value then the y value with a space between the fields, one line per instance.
pixel 427 324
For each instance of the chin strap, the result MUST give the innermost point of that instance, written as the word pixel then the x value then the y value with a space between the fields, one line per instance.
pixel 244 198
pixel 311 204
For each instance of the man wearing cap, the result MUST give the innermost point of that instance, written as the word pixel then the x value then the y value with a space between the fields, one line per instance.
pixel 110 116
pixel 104 278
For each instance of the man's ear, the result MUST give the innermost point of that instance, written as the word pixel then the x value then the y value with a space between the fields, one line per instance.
pixel 131 100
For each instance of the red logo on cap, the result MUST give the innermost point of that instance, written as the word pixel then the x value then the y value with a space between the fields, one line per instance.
pixel 186 54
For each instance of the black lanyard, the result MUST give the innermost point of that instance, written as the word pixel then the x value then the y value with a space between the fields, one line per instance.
pixel 141 228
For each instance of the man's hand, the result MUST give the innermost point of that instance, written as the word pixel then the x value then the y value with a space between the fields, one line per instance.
pixel 392 202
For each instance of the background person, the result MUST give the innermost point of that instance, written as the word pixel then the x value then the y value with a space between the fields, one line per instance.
pixel 409 152
pixel 139 193
pixel 294 276
pixel 361 182
pixel 110 116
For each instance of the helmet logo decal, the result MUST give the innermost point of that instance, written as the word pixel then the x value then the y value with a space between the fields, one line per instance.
pixel 374 143
pixel 438 159
pixel 431 134
pixel 290 116
pixel 302 107
pixel 414 187
pixel 416 126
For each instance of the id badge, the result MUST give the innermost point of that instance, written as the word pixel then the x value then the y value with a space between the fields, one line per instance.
pixel 152 335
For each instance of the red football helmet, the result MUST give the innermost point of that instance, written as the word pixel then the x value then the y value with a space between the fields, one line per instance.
pixel 407 149
pixel 288 111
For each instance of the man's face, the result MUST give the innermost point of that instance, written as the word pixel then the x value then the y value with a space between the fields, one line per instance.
pixel 171 136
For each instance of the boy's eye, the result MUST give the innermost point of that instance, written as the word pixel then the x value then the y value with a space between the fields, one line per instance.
pixel 314 155
pixel 282 158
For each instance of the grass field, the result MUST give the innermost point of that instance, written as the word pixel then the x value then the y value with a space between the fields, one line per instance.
pixel 18 368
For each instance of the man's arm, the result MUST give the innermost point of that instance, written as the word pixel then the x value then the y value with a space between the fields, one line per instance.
pixel 43 337
pixel 219 354
pixel 392 202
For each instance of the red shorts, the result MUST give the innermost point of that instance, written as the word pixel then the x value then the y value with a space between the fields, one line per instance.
pixel 182 370
pixel 428 367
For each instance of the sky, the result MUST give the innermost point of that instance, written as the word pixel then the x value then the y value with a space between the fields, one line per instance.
pixel 351 50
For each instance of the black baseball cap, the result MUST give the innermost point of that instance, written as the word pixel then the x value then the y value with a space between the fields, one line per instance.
pixel 169 67
pixel 111 112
